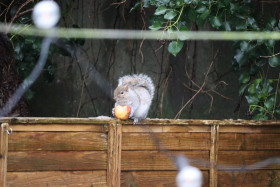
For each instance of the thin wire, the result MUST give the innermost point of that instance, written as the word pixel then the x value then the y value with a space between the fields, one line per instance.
pixel 11 103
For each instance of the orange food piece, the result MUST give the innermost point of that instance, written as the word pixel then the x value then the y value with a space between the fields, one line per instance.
pixel 122 112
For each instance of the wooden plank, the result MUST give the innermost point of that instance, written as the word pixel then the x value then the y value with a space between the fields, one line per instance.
pixel 275 129
pixel 57 141
pixel 249 179
pixel 57 160
pixel 171 141
pixel 60 127
pixel 164 122
pixel 114 155
pixel 57 178
pixel 55 120
pixel 154 178
pixel 234 141
pixel 160 160
pixel 169 128
pixel 236 160
pixel 3 154
pixel 214 156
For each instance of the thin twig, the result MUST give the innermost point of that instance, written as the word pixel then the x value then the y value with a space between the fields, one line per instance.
pixel 200 89
pixel 270 56
pixel 276 92
pixel 19 9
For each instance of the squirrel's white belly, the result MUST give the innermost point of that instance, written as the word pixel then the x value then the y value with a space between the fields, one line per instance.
pixel 143 108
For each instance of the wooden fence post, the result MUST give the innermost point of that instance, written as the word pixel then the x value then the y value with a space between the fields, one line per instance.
pixel 114 155
pixel 213 179
pixel 3 153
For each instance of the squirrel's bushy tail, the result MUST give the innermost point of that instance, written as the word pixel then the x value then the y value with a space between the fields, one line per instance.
pixel 138 80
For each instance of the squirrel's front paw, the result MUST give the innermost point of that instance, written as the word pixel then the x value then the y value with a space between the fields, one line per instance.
pixel 113 111
pixel 135 121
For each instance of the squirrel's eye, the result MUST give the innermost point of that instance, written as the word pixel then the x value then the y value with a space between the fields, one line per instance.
pixel 122 93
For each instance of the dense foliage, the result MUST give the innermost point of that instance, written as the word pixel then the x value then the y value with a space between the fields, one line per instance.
pixel 252 58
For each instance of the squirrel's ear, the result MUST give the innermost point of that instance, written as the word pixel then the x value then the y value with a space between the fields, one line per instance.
pixel 126 87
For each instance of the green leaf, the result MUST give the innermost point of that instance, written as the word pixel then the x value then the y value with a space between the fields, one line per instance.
pixel 242 89
pixel 270 43
pixel 170 15
pixel 175 47
pixel 252 99
pixel 201 9
pixel 137 5
pixel 271 23
pixel 188 1
pixel 179 3
pixel 155 26
pixel 244 46
pixel 252 89
pixel 274 61
pixel 216 22
pixel 160 10
pixel 260 116
pixel 227 26
pixel 146 3
pixel 244 77
pixel 180 35
pixel 269 103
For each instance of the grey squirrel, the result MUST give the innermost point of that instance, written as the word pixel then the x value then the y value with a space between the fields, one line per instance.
pixel 136 91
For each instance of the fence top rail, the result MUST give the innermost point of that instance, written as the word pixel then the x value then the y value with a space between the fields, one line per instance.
pixel 52 120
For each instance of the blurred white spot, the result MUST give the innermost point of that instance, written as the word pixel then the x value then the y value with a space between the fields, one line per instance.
pixel 189 177
pixel 46 14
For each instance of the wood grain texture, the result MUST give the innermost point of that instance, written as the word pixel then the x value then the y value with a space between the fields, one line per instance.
pixel 60 127
pixel 270 129
pixel 239 159
pixel 261 178
pixel 154 178
pixel 57 160
pixel 214 156
pixel 57 179
pixel 170 141
pixel 160 128
pixel 237 141
pixel 156 160
pixel 3 154
pixel 57 141
pixel 163 122
pixel 114 155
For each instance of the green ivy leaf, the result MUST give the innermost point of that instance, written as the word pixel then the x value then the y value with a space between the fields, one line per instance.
pixel 269 103
pixel 175 47
pixel 179 3
pixel 155 26
pixel 242 89
pixel 252 99
pixel 216 22
pixel 260 116
pixel 252 89
pixel 188 1
pixel 227 26
pixel 244 77
pixel 180 35
pixel 271 23
pixel 244 46
pixel 137 5
pixel 274 61
pixel 170 15
pixel 160 10
pixel 201 9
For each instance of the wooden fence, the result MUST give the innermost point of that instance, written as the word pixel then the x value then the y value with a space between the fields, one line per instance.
pixel 96 152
